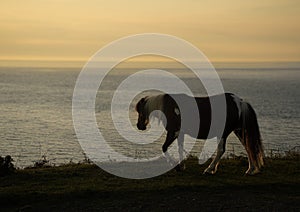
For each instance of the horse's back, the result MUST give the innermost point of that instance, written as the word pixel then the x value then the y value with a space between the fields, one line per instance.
pixel 205 113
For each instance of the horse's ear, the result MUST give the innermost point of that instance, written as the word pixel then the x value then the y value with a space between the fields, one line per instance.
pixel 143 100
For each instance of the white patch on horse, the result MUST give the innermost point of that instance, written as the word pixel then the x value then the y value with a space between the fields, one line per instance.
pixel 177 112
pixel 237 101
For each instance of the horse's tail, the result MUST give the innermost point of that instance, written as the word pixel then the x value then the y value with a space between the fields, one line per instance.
pixel 251 135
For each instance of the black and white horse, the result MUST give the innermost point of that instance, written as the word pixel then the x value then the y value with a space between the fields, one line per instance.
pixel 240 119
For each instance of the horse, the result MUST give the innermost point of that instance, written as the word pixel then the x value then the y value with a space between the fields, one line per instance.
pixel 240 119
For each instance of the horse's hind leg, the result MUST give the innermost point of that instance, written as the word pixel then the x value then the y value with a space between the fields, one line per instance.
pixel 212 168
pixel 251 168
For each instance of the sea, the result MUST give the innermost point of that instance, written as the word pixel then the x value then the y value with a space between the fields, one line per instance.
pixel 36 110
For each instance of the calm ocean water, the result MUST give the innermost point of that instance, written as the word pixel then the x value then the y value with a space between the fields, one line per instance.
pixel 36 109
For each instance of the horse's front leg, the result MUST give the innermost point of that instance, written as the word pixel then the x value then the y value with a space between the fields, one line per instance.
pixel 180 140
pixel 171 136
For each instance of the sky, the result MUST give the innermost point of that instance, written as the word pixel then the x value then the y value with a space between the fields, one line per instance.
pixel 231 30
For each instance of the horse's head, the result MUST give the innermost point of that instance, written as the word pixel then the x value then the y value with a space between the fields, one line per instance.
pixel 143 119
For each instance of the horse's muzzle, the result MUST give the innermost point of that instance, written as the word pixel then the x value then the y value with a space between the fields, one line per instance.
pixel 141 126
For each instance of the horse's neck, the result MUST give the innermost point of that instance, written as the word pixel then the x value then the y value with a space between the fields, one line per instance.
pixel 154 103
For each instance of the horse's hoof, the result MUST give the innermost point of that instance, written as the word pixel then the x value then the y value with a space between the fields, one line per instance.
pixel 252 172
pixel 208 172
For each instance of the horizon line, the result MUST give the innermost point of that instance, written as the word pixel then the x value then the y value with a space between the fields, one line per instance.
pixel 76 63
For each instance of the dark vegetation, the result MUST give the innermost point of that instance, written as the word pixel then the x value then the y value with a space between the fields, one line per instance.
pixel 6 166
pixel 86 187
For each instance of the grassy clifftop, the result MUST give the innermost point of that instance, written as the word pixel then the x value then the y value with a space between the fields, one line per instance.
pixel 87 187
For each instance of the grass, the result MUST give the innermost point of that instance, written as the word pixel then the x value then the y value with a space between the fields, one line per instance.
pixel 87 187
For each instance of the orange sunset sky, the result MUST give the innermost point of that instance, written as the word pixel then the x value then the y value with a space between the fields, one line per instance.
pixel 231 30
